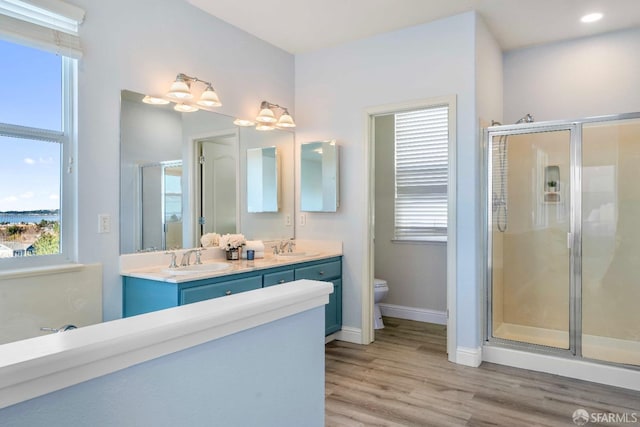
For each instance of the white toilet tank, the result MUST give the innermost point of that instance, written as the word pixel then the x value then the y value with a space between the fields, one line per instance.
pixel 380 291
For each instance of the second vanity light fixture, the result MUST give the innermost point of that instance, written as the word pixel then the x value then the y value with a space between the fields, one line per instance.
pixel 180 91
pixel 267 120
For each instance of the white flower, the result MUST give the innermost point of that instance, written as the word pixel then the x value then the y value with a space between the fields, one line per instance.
pixel 210 239
pixel 232 241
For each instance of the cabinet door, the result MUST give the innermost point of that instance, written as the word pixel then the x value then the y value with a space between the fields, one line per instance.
pixel 278 278
pixel 324 271
pixel 216 290
pixel 333 310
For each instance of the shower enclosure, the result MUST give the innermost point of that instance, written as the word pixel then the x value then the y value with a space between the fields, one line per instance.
pixel 563 236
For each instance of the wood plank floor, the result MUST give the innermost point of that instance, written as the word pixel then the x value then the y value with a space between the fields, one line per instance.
pixel 405 379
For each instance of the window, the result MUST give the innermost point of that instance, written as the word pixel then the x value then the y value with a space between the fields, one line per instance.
pixel 37 195
pixel 421 173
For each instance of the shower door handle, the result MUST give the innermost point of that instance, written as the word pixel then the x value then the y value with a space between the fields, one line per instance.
pixel 569 240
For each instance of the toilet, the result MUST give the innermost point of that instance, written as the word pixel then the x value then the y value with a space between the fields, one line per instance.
pixel 380 291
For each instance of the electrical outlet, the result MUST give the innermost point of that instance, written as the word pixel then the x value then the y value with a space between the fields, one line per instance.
pixel 287 220
pixel 104 223
pixel 303 220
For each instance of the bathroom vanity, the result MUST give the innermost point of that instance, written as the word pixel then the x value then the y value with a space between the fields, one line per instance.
pixel 151 289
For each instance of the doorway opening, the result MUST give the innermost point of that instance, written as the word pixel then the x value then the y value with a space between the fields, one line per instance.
pixel 410 238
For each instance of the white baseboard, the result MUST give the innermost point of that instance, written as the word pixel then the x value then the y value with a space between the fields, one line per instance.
pixel 469 356
pixel 579 369
pixel 413 313
pixel 348 334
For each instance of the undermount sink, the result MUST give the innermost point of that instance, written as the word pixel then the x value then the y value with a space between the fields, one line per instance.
pixel 289 255
pixel 210 267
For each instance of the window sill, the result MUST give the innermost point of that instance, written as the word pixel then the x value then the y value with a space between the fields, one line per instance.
pixel 39 271
pixel 430 241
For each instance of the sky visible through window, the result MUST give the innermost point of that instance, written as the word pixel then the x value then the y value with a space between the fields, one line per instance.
pixel 31 88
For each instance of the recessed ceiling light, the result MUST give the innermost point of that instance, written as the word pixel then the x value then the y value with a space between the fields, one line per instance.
pixel 591 17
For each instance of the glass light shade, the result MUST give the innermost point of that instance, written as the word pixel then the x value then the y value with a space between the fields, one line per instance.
pixel 264 126
pixel 591 17
pixel 185 108
pixel 154 101
pixel 266 116
pixel 209 98
pixel 179 90
pixel 286 121
pixel 243 122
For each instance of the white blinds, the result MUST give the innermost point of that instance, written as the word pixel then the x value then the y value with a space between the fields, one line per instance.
pixel 50 25
pixel 421 160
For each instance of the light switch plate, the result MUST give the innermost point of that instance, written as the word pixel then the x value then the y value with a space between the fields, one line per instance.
pixel 104 223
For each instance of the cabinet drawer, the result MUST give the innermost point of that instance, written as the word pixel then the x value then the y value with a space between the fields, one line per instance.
pixel 322 271
pixel 216 290
pixel 278 278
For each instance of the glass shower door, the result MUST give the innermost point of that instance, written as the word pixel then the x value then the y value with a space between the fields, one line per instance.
pixel 611 241
pixel 529 235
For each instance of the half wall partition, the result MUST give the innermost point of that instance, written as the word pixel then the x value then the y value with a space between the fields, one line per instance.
pixel 563 236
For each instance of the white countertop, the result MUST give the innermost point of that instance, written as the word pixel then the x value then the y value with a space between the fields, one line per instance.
pixel 155 266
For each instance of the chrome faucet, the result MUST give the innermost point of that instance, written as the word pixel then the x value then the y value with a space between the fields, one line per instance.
pixel 291 245
pixel 198 254
pixel 62 328
pixel 282 246
pixel 186 257
pixel 173 259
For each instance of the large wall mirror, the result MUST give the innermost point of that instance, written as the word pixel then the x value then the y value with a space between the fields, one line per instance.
pixel 319 183
pixel 185 174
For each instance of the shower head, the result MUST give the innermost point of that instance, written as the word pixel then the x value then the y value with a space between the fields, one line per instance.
pixel 526 119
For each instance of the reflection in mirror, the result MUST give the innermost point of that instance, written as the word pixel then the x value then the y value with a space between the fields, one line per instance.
pixel 157 134
pixel 217 201
pixel 263 184
pixel 274 223
pixel 319 177
pixel 161 193
pixel 213 178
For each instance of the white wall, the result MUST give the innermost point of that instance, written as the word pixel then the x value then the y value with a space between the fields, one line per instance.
pixel 489 75
pixel 585 77
pixel 334 87
pixel 141 46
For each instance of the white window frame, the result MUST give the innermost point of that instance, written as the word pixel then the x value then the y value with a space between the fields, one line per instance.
pixel 68 177
pixel 451 123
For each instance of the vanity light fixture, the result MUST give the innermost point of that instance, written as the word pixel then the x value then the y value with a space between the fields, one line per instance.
pixel 181 91
pixel 267 119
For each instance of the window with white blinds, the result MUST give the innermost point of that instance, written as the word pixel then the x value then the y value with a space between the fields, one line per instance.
pixel 421 172
pixel 50 25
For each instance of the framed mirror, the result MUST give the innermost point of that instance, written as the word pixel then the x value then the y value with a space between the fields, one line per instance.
pixel 263 182
pixel 209 195
pixel 319 178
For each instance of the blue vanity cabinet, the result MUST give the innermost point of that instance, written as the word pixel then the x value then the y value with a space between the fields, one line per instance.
pixel 333 310
pixel 144 295
pixel 217 290
pixel 277 277
pixel 327 271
